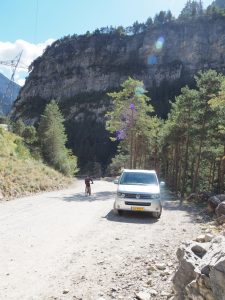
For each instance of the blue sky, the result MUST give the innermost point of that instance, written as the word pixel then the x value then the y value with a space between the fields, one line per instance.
pixel 30 25
pixel 38 20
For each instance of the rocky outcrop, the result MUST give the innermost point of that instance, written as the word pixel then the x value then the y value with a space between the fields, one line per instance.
pixel 201 271
pixel 78 72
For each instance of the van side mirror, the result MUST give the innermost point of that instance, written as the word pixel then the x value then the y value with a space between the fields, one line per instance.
pixel 116 181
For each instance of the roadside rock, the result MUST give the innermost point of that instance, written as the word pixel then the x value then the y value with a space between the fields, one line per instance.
pixel 220 220
pixel 221 197
pixel 220 210
pixel 161 266
pixel 213 202
pixel 201 271
pixel 188 263
pixel 143 296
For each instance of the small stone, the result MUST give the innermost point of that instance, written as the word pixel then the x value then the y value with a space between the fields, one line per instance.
pixel 153 292
pixel 152 268
pixel 143 296
pixel 161 266
pixel 208 237
pixel 166 272
pixel 65 292
pixel 165 294
pixel 149 282
pixel 200 238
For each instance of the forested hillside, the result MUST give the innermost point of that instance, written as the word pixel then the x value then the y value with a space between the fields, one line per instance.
pixel 165 53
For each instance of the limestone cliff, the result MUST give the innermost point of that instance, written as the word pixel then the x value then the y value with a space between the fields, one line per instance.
pixel 78 71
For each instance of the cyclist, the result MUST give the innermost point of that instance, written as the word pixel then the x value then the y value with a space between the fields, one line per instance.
pixel 88 181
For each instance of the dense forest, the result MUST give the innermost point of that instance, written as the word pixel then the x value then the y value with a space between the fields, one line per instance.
pixel 187 149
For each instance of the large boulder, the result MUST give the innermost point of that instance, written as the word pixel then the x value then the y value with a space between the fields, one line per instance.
pixel 213 202
pixel 189 255
pixel 221 197
pixel 220 210
pixel 201 271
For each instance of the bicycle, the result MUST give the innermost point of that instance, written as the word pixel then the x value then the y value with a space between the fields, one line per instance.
pixel 87 191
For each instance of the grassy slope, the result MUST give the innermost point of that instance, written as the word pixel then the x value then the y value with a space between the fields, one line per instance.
pixel 20 174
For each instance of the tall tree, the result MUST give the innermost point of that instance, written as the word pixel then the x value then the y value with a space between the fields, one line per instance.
pixel 130 120
pixel 53 139
pixel 191 9
pixel 208 84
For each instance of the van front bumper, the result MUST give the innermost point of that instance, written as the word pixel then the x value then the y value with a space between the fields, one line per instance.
pixel 153 205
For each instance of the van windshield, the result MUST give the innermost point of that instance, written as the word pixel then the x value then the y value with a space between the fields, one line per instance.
pixel 138 178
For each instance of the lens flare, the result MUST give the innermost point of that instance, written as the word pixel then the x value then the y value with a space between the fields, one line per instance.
pixel 152 59
pixel 139 90
pixel 159 43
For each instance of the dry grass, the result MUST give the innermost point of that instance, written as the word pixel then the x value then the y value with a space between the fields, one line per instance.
pixel 20 174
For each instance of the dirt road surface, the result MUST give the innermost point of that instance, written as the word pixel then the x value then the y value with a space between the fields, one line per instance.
pixel 63 245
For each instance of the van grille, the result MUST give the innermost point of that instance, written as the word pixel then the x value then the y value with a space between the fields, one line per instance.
pixel 137 203
pixel 142 196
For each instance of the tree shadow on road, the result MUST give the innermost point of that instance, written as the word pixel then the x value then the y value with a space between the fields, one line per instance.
pixel 131 217
pixel 80 197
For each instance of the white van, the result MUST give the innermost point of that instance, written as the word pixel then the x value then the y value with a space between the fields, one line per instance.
pixel 138 190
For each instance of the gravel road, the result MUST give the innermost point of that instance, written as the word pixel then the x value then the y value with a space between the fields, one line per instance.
pixel 63 245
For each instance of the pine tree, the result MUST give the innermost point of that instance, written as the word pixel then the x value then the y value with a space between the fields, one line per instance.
pixel 53 139
pixel 19 127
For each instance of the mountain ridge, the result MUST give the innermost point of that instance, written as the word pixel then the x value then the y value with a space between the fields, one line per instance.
pixel 78 72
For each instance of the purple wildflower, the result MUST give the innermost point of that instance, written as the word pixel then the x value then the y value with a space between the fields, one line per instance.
pixel 120 134
pixel 132 106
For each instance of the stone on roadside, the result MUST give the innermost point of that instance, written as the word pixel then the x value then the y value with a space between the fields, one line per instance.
pixel 220 210
pixel 165 294
pixel 221 220
pixel 201 277
pixel 200 238
pixel 153 292
pixel 213 202
pixel 208 237
pixel 161 266
pixel 149 282
pixel 143 296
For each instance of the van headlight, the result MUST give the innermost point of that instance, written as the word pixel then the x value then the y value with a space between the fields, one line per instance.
pixel 121 195
pixel 155 196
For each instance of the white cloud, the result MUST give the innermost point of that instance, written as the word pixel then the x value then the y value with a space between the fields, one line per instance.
pixel 9 51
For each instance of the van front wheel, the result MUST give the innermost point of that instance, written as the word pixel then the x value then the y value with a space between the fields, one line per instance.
pixel 157 214
pixel 118 212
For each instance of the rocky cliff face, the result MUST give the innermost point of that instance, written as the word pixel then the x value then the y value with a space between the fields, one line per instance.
pixel 79 71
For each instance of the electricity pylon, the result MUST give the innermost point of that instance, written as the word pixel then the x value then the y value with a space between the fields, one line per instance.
pixel 14 64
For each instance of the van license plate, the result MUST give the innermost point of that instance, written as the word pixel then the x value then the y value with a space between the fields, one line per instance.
pixel 137 208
